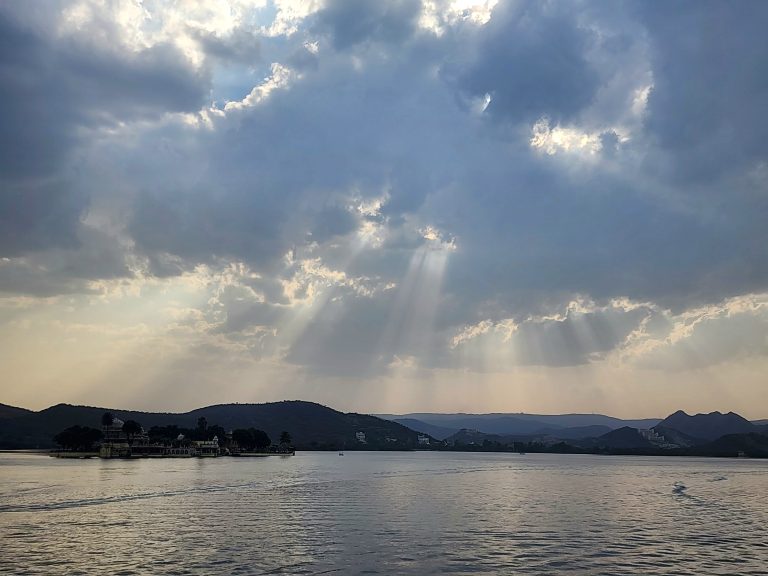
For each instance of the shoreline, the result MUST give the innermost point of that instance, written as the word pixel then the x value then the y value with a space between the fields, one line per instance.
pixel 91 455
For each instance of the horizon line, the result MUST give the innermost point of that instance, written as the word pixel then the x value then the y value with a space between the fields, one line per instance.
pixel 376 414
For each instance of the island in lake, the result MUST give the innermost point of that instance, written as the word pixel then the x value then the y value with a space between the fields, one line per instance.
pixel 128 439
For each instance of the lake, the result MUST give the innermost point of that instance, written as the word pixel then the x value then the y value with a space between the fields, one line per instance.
pixel 384 513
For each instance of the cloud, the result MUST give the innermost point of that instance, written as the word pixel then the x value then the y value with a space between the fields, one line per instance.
pixel 531 61
pixel 56 92
pixel 239 46
pixel 53 88
pixel 395 180
pixel 350 23
pixel 709 83
pixel 730 331
pixel 581 333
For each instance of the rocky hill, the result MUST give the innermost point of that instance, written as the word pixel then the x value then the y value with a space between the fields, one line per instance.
pixel 708 426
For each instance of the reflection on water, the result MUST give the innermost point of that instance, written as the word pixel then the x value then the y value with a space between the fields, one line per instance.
pixel 383 513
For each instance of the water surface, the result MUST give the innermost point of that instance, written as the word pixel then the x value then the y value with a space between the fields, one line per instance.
pixel 384 513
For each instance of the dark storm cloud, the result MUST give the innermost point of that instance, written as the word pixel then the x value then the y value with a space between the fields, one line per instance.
pixel 35 131
pixel 350 23
pixel 707 109
pixel 278 174
pixel 203 225
pixel 53 88
pixel 239 46
pixel 36 214
pixel 548 236
pixel 531 61
pixel 54 91
pixel 65 269
pixel 242 212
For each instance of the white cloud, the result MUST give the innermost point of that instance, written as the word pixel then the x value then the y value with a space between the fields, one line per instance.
pixel 280 78
pixel 559 139
pixel 708 335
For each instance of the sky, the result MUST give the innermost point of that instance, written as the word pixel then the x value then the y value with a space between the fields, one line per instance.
pixel 411 205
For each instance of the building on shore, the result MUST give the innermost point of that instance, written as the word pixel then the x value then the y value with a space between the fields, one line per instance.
pixel 115 443
pixel 207 448
pixel 119 444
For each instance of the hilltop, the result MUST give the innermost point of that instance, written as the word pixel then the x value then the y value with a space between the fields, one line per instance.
pixel 708 426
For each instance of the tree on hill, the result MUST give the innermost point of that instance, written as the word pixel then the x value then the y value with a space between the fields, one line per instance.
pixel 243 437
pixel 216 430
pixel 130 429
pixel 200 432
pixel 250 439
pixel 107 419
pixel 78 438
pixel 166 433
pixel 261 439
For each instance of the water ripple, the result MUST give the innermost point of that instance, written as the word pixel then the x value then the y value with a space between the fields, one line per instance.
pixel 385 513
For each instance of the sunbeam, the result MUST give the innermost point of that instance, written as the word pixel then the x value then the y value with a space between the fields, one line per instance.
pixel 410 331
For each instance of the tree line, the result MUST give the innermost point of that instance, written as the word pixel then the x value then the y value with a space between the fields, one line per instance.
pixel 78 438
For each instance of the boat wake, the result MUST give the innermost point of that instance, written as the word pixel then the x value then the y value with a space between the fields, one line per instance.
pixel 114 499
pixel 679 489
pixel 680 492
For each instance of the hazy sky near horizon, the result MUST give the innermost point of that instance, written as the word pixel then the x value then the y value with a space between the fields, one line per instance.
pixel 411 205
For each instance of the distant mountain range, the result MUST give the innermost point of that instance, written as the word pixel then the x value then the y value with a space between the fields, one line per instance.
pixel 317 427
pixel 311 425
pixel 713 434
pixel 442 426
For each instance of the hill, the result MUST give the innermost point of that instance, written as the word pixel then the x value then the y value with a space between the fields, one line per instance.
pixel 708 426
pixel 520 423
pixel 490 424
pixel 678 438
pixel 468 436
pixel 7 411
pixel 311 425
pixel 577 432
pixel 439 432
pixel 751 444
pixel 623 438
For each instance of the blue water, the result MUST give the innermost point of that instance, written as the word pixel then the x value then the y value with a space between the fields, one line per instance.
pixel 384 513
